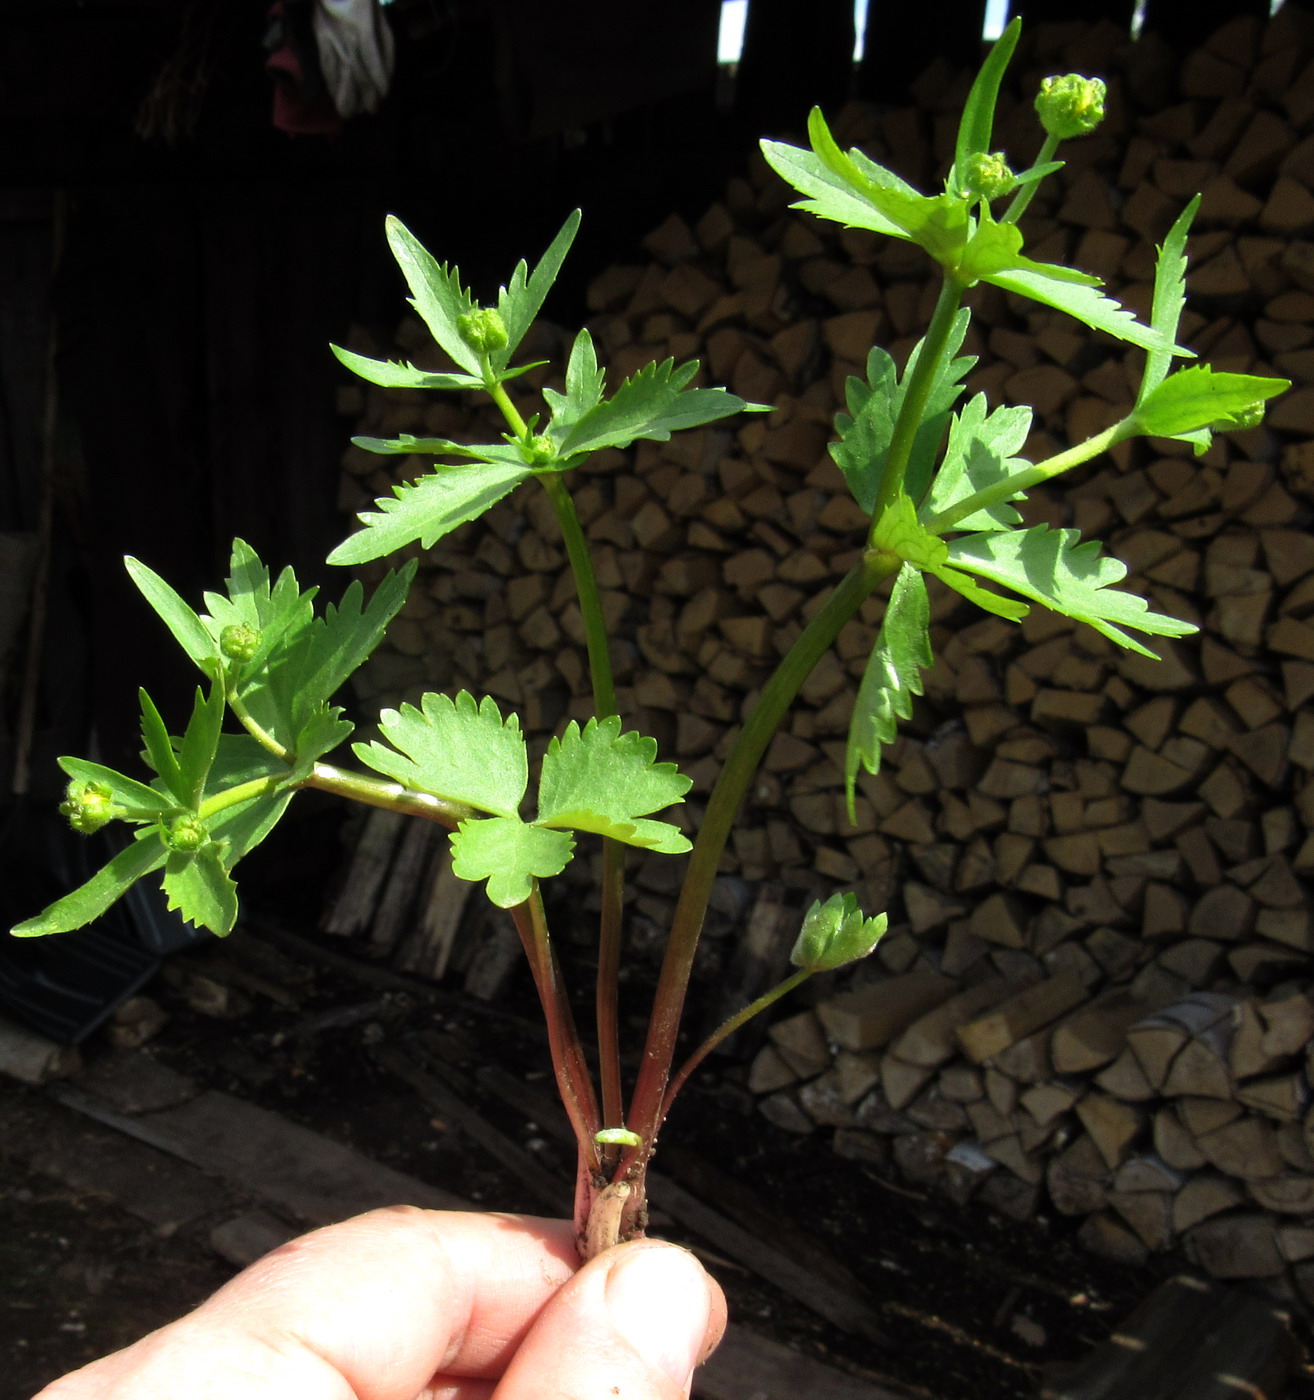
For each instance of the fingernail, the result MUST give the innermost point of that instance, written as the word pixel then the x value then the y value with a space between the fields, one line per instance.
pixel 658 1300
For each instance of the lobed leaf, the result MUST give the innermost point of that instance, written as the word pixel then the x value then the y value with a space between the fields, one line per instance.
pixel 830 196
pixel 199 742
pixel 1052 567
pixel 584 381
pixel 873 408
pixel 653 403
pixel 425 510
pixel 891 679
pixel 979 455
pixel 455 749
pixel 160 754
pixel 509 854
pixel 200 889
pixel 600 780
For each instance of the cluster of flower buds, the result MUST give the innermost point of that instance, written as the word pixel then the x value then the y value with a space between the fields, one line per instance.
pixel 835 933
pixel 239 641
pixel 88 806
pixel 483 330
pixel 185 834
pixel 1070 105
pixel 987 176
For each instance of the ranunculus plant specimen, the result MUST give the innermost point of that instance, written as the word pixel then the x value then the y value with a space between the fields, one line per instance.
pixel 938 477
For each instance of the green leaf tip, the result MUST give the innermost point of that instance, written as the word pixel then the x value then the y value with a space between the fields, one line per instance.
pixel 836 933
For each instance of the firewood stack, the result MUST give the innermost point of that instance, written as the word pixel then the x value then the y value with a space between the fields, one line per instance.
pixel 1095 997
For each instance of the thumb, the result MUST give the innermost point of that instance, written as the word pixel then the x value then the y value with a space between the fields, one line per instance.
pixel 635 1321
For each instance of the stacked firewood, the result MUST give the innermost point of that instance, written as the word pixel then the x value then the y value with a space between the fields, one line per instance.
pixel 1095 993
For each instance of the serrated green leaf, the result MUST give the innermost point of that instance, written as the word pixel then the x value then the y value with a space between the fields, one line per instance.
pixel 199 741
pixel 830 197
pixel 509 854
pixel 1169 300
pixel 398 374
pixel 436 293
pixel 653 403
pixel 892 677
pixel 201 890
pixel 321 733
pixel 938 223
pixel 979 455
pixel 993 257
pixel 241 759
pixel 1054 568
pixel 138 801
pixel 978 117
pixel 1200 397
pixel 159 751
pixel 455 749
pixel 584 381
pixel 600 780
pixel 89 901
pixel 182 621
pixel 865 431
pixel 428 509
pixel 241 828
pixel 522 298
pixel 406 445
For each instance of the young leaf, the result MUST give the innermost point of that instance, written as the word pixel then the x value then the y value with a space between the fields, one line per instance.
pixel 598 779
pixel 830 196
pixel 866 429
pixel 1169 299
pixel 398 374
pixel 139 802
pixel 456 749
pixel 509 854
pixel 522 299
pixel 200 740
pixel 1200 397
pixel 201 890
pixel 89 901
pixel 584 380
pixel 1055 569
pixel 436 293
pixel 891 679
pixel 320 734
pixel 159 751
pixel 406 445
pixel 978 117
pixel 188 629
pixel 653 403
pixel 978 456
pixel 428 509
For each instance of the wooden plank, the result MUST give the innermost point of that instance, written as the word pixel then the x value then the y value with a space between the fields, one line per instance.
pixel 749 1367
pixel 1189 1340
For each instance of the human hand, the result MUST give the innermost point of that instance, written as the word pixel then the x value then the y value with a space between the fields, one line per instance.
pixel 407 1304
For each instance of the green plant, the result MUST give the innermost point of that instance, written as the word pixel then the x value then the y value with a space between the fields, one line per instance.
pixel 939 481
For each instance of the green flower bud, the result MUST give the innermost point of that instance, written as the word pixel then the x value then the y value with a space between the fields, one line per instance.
pixel 185 834
pixel 538 449
pixel 835 933
pixel 987 177
pixel 1070 105
pixel 239 641
pixel 89 806
pixel 483 330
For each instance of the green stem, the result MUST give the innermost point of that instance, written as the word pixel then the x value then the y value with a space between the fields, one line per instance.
pixel 261 735
pixel 497 392
pixel 1005 490
pixel 233 796
pixel 728 1029
pixel 380 792
pixel 1026 193
pixel 740 767
pixel 613 855
pixel 916 396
